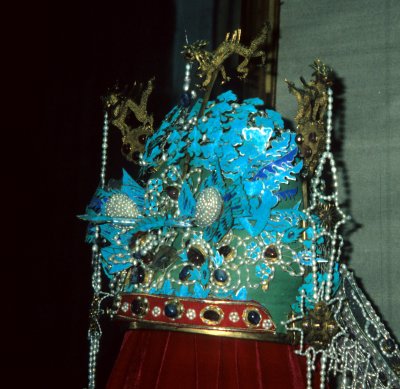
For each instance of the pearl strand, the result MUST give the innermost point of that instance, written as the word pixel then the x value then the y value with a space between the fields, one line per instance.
pixel 323 370
pixel 104 147
pixel 186 80
pixel 94 333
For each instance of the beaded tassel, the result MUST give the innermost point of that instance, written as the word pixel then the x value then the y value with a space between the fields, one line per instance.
pixel 94 333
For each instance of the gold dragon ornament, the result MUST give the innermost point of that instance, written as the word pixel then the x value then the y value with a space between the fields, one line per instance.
pixel 210 64
pixel 312 104
pixel 121 106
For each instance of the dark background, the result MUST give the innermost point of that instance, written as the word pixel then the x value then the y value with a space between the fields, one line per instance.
pixel 63 58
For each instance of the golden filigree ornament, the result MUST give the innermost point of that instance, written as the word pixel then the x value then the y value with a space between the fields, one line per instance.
pixel 121 106
pixel 319 326
pixel 328 214
pixel 312 103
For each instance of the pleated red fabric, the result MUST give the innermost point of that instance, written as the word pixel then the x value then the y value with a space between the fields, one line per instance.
pixel 163 359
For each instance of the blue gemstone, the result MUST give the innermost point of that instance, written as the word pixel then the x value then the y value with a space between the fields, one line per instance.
pixel 253 317
pixel 220 275
pixel 171 310
pixel 185 100
pixel 185 272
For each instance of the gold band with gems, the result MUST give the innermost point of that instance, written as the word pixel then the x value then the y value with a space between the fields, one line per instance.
pixel 236 319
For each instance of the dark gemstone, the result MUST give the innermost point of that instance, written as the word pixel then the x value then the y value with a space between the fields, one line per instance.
pixel 126 148
pixel 102 242
pixel 135 156
pixel 304 173
pixel 185 99
pixel 388 345
pixel 220 275
pixel 138 235
pixel 164 256
pixel 172 192
pixel 147 258
pixel 270 252
pixel 299 139
pixel 225 250
pixel 135 238
pixel 138 307
pixel 312 137
pixel 171 310
pixel 383 378
pixel 307 152
pixel 195 256
pixel 372 331
pixel 142 139
pixel 137 275
pixel 184 274
pixel 253 317
pixel 212 315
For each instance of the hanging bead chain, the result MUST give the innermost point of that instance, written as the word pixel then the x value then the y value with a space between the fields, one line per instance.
pixel 94 333
pixel 336 241
pixel 186 80
pixel 104 147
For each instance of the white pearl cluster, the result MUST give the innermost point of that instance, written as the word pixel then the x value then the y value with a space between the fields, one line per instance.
pixel 125 307
pixel 266 324
pixel 234 317
pixel 208 207
pixel 156 311
pixel 120 205
pixel 191 314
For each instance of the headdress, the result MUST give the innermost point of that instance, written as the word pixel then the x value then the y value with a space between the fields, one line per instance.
pixel 231 229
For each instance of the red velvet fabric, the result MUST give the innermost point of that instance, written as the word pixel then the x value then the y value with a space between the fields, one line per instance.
pixel 163 359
